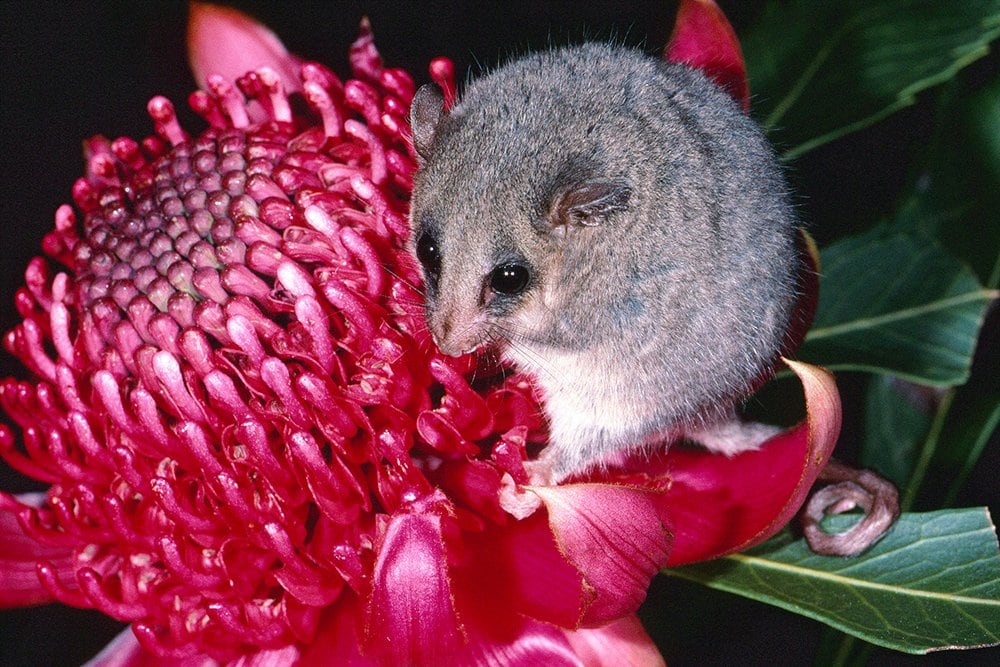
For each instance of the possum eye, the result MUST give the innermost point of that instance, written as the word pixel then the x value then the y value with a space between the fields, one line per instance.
pixel 509 279
pixel 429 254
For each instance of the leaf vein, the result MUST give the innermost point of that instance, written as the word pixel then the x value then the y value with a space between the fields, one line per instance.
pixel 857 584
pixel 864 323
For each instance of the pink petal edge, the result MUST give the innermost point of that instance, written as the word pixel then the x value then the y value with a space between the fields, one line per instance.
pixel 704 39
pixel 411 612
pixel 719 505
pixel 224 41
pixel 622 643
pixel 520 567
pixel 615 535
pixel 533 644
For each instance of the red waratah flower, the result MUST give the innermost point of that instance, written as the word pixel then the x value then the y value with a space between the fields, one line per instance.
pixel 253 450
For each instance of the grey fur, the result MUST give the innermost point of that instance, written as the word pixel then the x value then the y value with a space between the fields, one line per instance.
pixel 655 222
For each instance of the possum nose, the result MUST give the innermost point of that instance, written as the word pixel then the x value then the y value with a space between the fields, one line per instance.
pixel 449 343
pixel 452 337
pixel 444 341
pixel 451 349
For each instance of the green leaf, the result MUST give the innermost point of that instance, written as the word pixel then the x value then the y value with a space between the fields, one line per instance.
pixel 966 443
pixel 897 304
pixel 897 419
pixel 932 583
pixel 819 70
pixel 956 194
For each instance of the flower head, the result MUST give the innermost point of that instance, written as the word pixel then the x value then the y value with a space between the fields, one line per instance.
pixel 252 446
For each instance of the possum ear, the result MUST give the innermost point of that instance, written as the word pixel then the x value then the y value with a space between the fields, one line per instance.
pixel 426 112
pixel 589 203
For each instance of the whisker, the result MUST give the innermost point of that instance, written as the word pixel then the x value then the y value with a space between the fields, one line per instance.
pixel 513 337
pixel 404 281
pixel 409 307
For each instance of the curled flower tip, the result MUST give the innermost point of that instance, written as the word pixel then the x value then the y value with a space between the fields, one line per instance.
pixel 320 100
pixel 366 62
pixel 57 243
pixel 400 84
pixel 443 74
pixel 206 106
pixel 127 150
pixel 704 40
pixel 165 120
pixel 231 100
pixel 363 98
pixel 280 110
pixel 377 155
pixel 52 583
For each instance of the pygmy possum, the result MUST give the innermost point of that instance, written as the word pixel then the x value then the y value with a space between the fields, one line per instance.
pixel 619 229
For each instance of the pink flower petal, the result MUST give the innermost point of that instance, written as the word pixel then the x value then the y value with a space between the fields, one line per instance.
pixel 703 39
pixel 338 639
pixel 411 613
pixel 519 568
pixel 229 43
pixel 616 535
pixel 20 554
pixel 719 505
pixel 532 644
pixel 281 657
pixel 620 643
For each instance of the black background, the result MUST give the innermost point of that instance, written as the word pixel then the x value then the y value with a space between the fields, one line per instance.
pixel 74 69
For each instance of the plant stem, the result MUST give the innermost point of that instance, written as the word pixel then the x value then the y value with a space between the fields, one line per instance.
pixel 927 452
pixel 844 651
pixel 986 429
